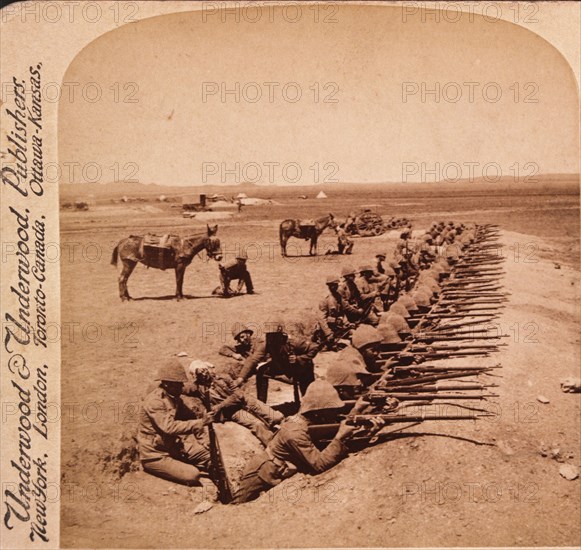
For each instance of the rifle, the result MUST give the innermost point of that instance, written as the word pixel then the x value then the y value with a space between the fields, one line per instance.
pixel 377 398
pixel 452 370
pixel 469 281
pixel 467 302
pixel 465 294
pixel 422 348
pixel 427 378
pixel 327 431
pixel 217 469
pixel 478 265
pixel 407 359
pixel 452 338
pixel 472 271
pixel 436 327
pixel 467 305
pixel 461 314
pixel 488 286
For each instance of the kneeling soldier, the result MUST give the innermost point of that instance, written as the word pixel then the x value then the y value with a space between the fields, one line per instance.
pixel 344 243
pixel 236 270
pixel 170 448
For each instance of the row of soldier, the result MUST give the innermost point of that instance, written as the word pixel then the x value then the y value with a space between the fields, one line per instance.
pixel 364 311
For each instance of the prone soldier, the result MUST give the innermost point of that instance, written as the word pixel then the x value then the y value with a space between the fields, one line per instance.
pixel 292 450
pixel 242 343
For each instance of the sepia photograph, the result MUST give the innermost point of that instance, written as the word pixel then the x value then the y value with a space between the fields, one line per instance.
pixel 290 274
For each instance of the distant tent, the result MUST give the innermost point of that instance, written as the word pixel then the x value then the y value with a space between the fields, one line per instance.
pixel 242 196
pixel 321 195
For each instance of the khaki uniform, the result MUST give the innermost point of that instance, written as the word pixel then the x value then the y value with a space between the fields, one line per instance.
pixel 403 248
pixel 426 255
pixel 235 270
pixel 331 316
pixel 291 450
pixel 302 370
pixel 370 300
pixel 168 447
pixel 351 300
pixel 344 243
pixel 238 348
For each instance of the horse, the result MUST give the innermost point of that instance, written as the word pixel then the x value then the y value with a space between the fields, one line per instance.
pixel 130 252
pixel 293 228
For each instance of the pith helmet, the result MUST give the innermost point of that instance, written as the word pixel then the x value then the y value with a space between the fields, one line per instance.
pixel 393 264
pixel 424 289
pixel 238 329
pixel 332 279
pixel 172 371
pixel 442 261
pixel 365 335
pixel 408 302
pixel 320 395
pixel 396 320
pixel 388 334
pixel 400 309
pixel 381 255
pixel 242 255
pixel 348 270
pixel 364 268
pixel 431 283
pixel 421 298
pixel 345 373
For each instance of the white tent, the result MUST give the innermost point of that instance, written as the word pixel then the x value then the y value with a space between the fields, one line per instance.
pixel 242 196
pixel 321 195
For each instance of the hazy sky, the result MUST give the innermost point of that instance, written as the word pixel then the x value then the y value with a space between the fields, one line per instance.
pixel 371 62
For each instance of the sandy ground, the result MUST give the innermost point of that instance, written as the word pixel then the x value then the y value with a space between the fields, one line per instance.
pixel 425 490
